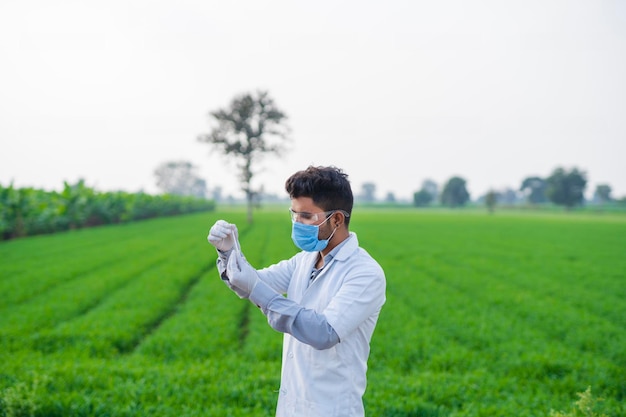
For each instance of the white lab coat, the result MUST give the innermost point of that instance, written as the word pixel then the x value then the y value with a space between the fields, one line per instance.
pixel 349 292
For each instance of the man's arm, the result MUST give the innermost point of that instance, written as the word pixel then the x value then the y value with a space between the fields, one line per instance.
pixel 287 316
pixel 283 315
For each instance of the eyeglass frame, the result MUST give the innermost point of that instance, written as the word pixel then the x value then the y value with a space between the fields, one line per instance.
pixel 314 216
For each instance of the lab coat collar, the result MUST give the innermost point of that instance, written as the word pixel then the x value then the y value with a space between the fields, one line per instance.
pixel 348 247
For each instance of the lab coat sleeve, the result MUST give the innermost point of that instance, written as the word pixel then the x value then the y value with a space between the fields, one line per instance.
pixel 276 276
pixel 287 316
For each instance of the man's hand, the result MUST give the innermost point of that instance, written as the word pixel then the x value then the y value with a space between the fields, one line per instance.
pixel 223 235
pixel 241 274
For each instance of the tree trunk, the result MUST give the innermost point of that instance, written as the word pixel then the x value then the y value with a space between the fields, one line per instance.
pixel 249 197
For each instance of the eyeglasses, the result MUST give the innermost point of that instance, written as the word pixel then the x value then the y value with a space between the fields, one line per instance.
pixel 305 217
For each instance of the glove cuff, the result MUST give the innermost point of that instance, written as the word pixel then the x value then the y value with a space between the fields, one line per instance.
pixel 262 294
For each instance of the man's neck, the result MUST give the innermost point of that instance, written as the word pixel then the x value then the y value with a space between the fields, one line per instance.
pixel 339 237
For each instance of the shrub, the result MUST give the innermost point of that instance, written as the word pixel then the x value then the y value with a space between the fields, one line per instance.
pixel 583 407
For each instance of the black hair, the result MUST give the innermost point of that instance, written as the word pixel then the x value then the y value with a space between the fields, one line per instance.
pixel 328 187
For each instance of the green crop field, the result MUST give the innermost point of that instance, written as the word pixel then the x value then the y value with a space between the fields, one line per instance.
pixel 510 314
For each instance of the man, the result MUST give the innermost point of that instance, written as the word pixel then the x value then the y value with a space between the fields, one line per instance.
pixel 334 293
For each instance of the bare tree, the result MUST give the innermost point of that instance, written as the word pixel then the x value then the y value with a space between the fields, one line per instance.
pixel 247 130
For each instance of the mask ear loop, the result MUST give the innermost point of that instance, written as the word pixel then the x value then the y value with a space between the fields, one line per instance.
pixel 332 234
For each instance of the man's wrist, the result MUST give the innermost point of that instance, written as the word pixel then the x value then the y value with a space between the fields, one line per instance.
pixel 223 255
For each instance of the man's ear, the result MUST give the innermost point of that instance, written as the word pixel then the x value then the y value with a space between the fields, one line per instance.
pixel 340 219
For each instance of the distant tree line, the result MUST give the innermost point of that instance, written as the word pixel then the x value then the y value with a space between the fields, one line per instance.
pixel 253 127
pixel 180 178
pixel 563 187
pixel 30 211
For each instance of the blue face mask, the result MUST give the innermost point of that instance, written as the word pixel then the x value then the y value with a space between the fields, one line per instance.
pixel 305 236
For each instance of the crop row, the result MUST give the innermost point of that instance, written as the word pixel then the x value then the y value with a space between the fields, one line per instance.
pixel 472 307
pixel 484 316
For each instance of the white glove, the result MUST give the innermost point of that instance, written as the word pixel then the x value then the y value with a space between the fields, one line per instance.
pixel 223 236
pixel 241 274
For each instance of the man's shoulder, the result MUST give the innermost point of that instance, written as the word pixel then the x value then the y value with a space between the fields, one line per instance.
pixel 353 249
pixel 359 258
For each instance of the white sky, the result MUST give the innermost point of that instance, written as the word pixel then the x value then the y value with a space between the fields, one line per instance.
pixel 391 91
